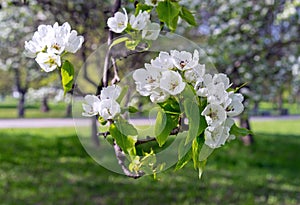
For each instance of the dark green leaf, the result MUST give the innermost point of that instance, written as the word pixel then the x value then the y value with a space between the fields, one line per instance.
pixel 170 106
pixel 168 12
pixel 238 131
pixel 165 123
pixel 67 76
pixel 125 136
pixel 186 15
pixel 132 109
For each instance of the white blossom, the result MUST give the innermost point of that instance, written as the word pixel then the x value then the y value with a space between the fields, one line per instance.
pixel 146 79
pixel 74 42
pixel 216 137
pixel 163 61
pixel 39 41
pixel 195 74
pixel 48 61
pixel 217 94
pixel 110 92
pixel 151 31
pixel 201 85
pixel 92 105
pixel 214 114
pixel 171 82
pixel 236 106
pixel 184 60
pixel 108 109
pixel 158 95
pixel 140 21
pixel 221 78
pixel 118 23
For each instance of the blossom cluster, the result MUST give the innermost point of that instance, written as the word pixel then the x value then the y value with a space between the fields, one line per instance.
pixel 120 21
pixel 49 43
pixel 169 73
pixel 105 105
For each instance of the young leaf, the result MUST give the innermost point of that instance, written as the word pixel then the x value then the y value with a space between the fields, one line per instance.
pixel 201 166
pixel 186 15
pixel 132 44
pixel 142 7
pixel 165 123
pixel 238 131
pixel 118 41
pixel 125 136
pixel 67 76
pixel 122 94
pixel 196 146
pixel 167 12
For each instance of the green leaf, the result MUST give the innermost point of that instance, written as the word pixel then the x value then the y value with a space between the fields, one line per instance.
pixel 118 41
pixel 122 94
pixel 196 147
pixel 165 123
pixel 182 147
pixel 205 152
pixel 170 106
pixel 201 166
pixel 125 127
pixel 132 109
pixel 67 76
pixel 192 110
pixel 184 160
pixel 238 131
pixel 186 15
pixel 132 44
pixel 168 12
pixel 142 7
pixel 125 135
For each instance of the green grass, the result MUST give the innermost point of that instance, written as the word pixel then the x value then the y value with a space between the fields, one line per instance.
pixel 293 108
pixel 8 109
pixel 49 166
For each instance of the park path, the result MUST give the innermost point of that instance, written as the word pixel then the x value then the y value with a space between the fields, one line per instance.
pixel 70 122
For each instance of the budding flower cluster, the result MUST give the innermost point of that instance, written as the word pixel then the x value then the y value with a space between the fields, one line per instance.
pixel 119 22
pixel 49 43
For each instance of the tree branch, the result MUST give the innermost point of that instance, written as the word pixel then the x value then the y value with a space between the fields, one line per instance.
pixel 121 161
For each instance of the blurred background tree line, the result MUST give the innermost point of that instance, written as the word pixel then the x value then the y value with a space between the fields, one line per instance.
pixel 254 42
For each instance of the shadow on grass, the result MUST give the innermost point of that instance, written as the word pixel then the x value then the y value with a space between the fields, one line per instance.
pixel 53 168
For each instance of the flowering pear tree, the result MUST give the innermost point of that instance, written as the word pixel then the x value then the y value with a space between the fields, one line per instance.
pixel 195 106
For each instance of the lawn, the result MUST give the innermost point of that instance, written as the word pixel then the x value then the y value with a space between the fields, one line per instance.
pixel 8 109
pixel 49 166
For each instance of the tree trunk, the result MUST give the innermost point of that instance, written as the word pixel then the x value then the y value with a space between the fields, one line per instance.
pixel 94 136
pixel 44 105
pixel 244 122
pixel 21 106
pixel 69 110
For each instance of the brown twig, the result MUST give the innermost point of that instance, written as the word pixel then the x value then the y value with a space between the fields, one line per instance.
pixel 121 157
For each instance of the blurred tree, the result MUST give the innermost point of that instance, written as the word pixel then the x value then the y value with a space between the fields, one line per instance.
pixel 16 20
pixel 253 42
